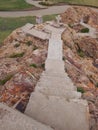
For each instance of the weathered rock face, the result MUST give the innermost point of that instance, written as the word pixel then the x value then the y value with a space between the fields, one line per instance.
pixel 82 53
pixel 88 45
pixel 75 14
pixel 21 63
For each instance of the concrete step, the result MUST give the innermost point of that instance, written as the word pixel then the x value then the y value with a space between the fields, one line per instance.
pixel 55 30
pixel 55 74
pixel 57 77
pixel 58 91
pixel 49 82
pixel 55 49
pixel 11 119
pixel 58 112
pixel 54 66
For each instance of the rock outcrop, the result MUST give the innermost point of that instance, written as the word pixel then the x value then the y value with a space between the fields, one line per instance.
pixel 75 14
pixel 22 60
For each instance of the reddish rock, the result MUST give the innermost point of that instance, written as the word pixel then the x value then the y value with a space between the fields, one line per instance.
pixel 89 96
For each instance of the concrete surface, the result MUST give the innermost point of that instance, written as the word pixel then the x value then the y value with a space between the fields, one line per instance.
pixel 58 112
pixel 55 101
pixel 13 120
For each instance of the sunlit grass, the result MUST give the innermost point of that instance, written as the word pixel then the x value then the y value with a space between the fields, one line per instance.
pixel 14 5
pixel 7 25
pixel 81 2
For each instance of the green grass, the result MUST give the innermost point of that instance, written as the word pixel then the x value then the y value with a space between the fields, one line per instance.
pixel 3 81
pixel 85 30
pixel 17 45
pixel 10 5
pixel 16 55
pixel 96 85
pixel 49 17
pixel 80 89
pixel 80 2
pixel 64 58
pixel 28 43
pixel 47 3
pixel 81 53
pixel 7 25
pixel 33 65
pixel 43 65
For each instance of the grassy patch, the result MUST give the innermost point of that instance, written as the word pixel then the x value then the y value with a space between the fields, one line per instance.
pixel 43 65
pixel 78 2
pixel 6 5
pixel 80 89
pixel 64 58
pixel 80 53
pixel 33 65
pixel 47 3
pixel 96 85
pixel 85 30
pixel 3 81
pixel 49 17
pixel 3 35
pixel 16 55
pixel 28 43
pixel 7 25
pixel 17 45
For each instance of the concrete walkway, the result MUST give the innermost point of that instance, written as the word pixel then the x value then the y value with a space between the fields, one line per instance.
pixel 48 11
pixel 55 101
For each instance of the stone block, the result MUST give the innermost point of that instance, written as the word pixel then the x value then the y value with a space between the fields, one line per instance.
pixel 58 112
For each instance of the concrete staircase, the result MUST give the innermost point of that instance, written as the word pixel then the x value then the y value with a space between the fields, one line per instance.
pixel 55 102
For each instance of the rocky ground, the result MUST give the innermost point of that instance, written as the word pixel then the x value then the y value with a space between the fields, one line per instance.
pixel 81 57
pixel 22 60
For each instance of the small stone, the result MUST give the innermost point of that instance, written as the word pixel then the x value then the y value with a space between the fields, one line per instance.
pixel 88 96
pixel 92 124
pixel 96 102
pixel 96 61
pixel 92 107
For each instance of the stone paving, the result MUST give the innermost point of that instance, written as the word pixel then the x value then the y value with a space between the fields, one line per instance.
pixel 29 29
pixel 55 101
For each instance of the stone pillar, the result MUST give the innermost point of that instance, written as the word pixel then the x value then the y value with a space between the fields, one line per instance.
pixel 39 19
